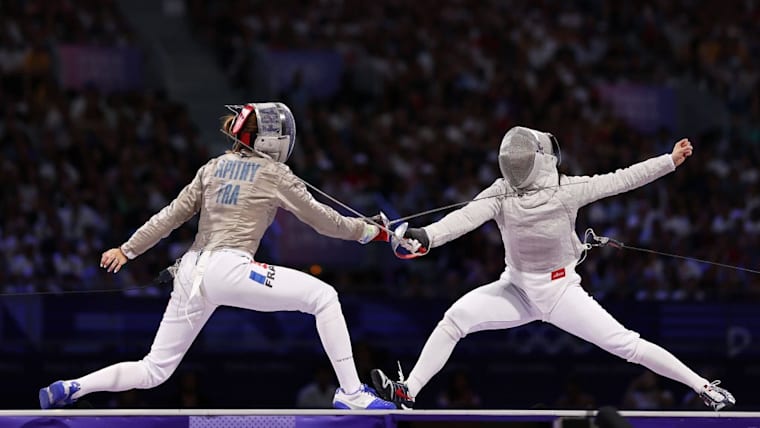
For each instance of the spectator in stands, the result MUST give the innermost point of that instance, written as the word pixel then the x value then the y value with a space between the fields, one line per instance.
pixel 574 397
pixel 430 100
pixel 459 393
pixel 318 393
pixel 645 393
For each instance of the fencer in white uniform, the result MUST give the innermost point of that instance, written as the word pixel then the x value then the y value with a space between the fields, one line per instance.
pixel 237 195
pixel 539 282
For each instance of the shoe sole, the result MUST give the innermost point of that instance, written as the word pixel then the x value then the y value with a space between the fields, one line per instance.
pixel 341 406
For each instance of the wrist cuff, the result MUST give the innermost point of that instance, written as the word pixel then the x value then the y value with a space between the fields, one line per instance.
pixel 370 231
pixel 130 255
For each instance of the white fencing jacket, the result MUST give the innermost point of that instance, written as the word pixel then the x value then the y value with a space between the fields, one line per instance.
pixel 538 228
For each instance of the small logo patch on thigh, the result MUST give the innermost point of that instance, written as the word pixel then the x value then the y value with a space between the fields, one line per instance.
pixel 266 279
pixel 557 274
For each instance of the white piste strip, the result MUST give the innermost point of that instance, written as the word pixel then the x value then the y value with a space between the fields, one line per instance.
pixel 327 412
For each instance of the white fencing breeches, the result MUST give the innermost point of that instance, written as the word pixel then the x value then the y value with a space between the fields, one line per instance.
pixel 231 278
pixel 501 305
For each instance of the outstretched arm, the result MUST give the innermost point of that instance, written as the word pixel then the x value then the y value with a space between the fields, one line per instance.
pixel 294 197
pixel 484 207
pixel 590 189
pixel 181 209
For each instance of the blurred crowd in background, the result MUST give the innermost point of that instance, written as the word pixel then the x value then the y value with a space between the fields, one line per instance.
pixel 426 98
pixel 416 122
pixel 417 119
pixel 81 169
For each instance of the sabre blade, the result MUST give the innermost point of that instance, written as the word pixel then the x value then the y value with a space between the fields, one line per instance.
pixel 463 203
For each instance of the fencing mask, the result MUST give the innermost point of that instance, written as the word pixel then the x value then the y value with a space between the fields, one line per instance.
pixel 276 128
pixel 519 151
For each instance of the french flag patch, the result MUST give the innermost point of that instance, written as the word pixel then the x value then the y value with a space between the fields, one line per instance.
pixel 557 274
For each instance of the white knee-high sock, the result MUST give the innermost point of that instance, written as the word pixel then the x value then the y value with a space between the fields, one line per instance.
pixel 662 362
pixel 115 378
pixel 434 355
pixel 332 329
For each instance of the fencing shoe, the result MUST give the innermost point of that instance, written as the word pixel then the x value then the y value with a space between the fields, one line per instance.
pixel 395 392
pixel 58 394
pixel 364 398
pixel 717 397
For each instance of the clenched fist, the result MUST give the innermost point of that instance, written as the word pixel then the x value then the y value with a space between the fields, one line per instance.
pixel 681 151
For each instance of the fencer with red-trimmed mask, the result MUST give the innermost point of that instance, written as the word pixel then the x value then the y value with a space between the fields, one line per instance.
pixel 237 195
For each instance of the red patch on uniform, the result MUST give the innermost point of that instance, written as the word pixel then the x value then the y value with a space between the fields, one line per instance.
pixel 557 274
pixel 263 265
